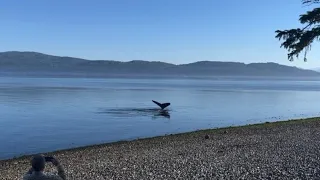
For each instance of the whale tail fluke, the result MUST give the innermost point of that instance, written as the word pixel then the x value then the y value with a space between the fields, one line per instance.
pixel 161 105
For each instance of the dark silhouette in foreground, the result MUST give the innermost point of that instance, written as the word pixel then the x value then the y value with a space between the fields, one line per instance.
pixel 38 165
pixel 161 105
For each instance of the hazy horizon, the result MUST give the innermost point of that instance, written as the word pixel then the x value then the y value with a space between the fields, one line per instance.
pixel 168 31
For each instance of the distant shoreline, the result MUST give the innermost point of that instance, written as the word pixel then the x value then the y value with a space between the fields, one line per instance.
pixel 215 77
pixel 34 63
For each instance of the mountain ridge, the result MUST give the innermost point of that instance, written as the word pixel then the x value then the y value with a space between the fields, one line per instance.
pixel 315 69
pixel 30 62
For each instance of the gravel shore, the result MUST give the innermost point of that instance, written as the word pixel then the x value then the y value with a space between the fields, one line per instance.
pixel 281 150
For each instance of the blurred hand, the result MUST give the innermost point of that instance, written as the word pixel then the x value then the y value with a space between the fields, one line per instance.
pixel 55 162
pixel 30 170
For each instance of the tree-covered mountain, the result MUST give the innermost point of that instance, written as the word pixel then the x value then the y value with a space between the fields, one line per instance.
pixel 33 63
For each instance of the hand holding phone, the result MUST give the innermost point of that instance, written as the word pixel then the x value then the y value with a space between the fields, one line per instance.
pixel 52 159
pixel 48 158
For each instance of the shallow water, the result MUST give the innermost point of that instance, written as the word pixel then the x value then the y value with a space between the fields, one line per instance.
pixel 45 114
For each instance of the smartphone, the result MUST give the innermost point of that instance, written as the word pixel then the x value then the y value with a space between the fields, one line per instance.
pixel 48 158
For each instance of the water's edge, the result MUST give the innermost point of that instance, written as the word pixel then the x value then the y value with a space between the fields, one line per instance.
pixel 22 157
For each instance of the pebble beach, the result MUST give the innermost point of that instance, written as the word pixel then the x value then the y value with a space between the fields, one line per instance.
pixel 277 150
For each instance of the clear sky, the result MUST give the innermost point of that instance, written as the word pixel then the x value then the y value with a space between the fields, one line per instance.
pixel 174 31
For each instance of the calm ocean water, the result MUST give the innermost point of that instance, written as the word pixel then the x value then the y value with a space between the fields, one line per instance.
pixel 46 114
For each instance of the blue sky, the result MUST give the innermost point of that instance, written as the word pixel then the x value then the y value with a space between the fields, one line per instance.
pixel 174 31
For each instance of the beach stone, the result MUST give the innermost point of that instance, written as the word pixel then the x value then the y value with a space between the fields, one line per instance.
pixel 281 151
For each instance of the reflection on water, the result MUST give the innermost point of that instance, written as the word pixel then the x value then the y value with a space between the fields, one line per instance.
pixel 129 112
